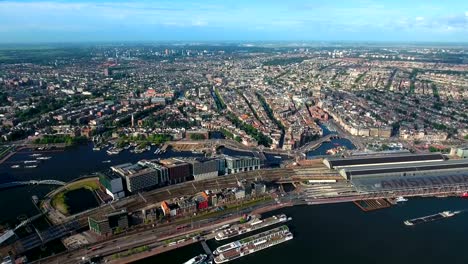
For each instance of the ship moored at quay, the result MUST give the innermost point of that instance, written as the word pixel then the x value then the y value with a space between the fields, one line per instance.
pixel 250 226
pixel 252 244
pixel 431 218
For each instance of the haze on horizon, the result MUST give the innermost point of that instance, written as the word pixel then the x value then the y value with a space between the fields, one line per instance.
pixel 233 20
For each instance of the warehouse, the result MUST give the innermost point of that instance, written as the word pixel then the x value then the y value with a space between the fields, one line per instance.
pixel 337 163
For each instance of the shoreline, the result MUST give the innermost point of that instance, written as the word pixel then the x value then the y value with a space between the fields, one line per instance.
pixel 162 249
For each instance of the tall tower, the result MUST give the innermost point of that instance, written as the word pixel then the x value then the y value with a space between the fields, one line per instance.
pixel 133 121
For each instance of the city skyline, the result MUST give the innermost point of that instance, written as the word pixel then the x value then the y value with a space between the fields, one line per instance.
pixel 367 20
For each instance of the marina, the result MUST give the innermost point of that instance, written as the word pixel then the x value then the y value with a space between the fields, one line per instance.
pixel 431 218
pixel 250 226
pixel 252 244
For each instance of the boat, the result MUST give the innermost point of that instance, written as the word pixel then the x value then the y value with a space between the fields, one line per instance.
pixel 35 155
pixel 106 161
pixel 157 151
pixel 253 225
pixel 30 161
pixel 277 157
pixel 431 218
pixel 113 151
pixel 44 158
pixel 15 166
pixel 464 195
pixel 200 259
pixel 401 199
pixel 96 148
pixel 252 244
pixel 30 166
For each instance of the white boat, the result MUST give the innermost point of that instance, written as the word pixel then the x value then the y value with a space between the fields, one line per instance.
pixel 43 158
pixel 15 166
pixel 106 161
pixel 30 161
pixel 401 199
pixel 30 166
pixel 35 155
pixel 197 260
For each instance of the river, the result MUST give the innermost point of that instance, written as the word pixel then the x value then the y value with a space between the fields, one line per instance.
pixel 342 233
pixel 82 160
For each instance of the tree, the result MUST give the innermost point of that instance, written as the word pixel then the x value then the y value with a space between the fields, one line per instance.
pixel 197 136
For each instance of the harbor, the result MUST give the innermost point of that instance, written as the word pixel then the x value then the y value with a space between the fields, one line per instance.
pixel 311 227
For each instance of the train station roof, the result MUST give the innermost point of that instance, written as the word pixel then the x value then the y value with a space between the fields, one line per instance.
pixel 363 171
pixel 337 163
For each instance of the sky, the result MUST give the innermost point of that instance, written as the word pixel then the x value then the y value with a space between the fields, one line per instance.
pixel 234 20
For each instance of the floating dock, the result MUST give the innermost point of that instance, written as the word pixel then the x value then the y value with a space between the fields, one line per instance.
pixel 371 205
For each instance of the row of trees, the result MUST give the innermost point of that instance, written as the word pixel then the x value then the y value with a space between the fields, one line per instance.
pixel 67 139
pixel 249 129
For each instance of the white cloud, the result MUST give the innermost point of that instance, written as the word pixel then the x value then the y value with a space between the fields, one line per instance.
pixel 466 13
pixel 419 18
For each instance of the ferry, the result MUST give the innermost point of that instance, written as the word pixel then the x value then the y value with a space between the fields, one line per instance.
pixel 430 218
pixel 401 199
pixel 200 259
pixel 252 244
pixel 251 226
pixel 15 166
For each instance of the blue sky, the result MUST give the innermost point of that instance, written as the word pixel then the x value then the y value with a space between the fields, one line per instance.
pixel 249 20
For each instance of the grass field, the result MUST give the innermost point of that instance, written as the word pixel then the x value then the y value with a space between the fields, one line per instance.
pixel 59 200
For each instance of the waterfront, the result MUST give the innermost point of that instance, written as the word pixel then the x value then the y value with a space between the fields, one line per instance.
pixel 64 166
pixel 67 165
pixel 339 233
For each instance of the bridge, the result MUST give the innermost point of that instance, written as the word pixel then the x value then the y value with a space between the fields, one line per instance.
pixel 32 182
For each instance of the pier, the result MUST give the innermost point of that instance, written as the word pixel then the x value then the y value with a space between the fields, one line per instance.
pixel 207 249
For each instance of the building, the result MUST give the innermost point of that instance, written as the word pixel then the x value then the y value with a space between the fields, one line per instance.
pixel 240 193
pixel 201 200
pixel 179 171
pixel 462 152
pixel 203 169
pixel 110 223
pixel 161 172
pixel 113 184
pixel 137 176
pixel 405 170
pixel 197 134
pixel 241 163
pixel 337 163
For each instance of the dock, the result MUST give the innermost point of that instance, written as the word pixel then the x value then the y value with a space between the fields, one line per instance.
pixel 207 249
pixel 372 205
